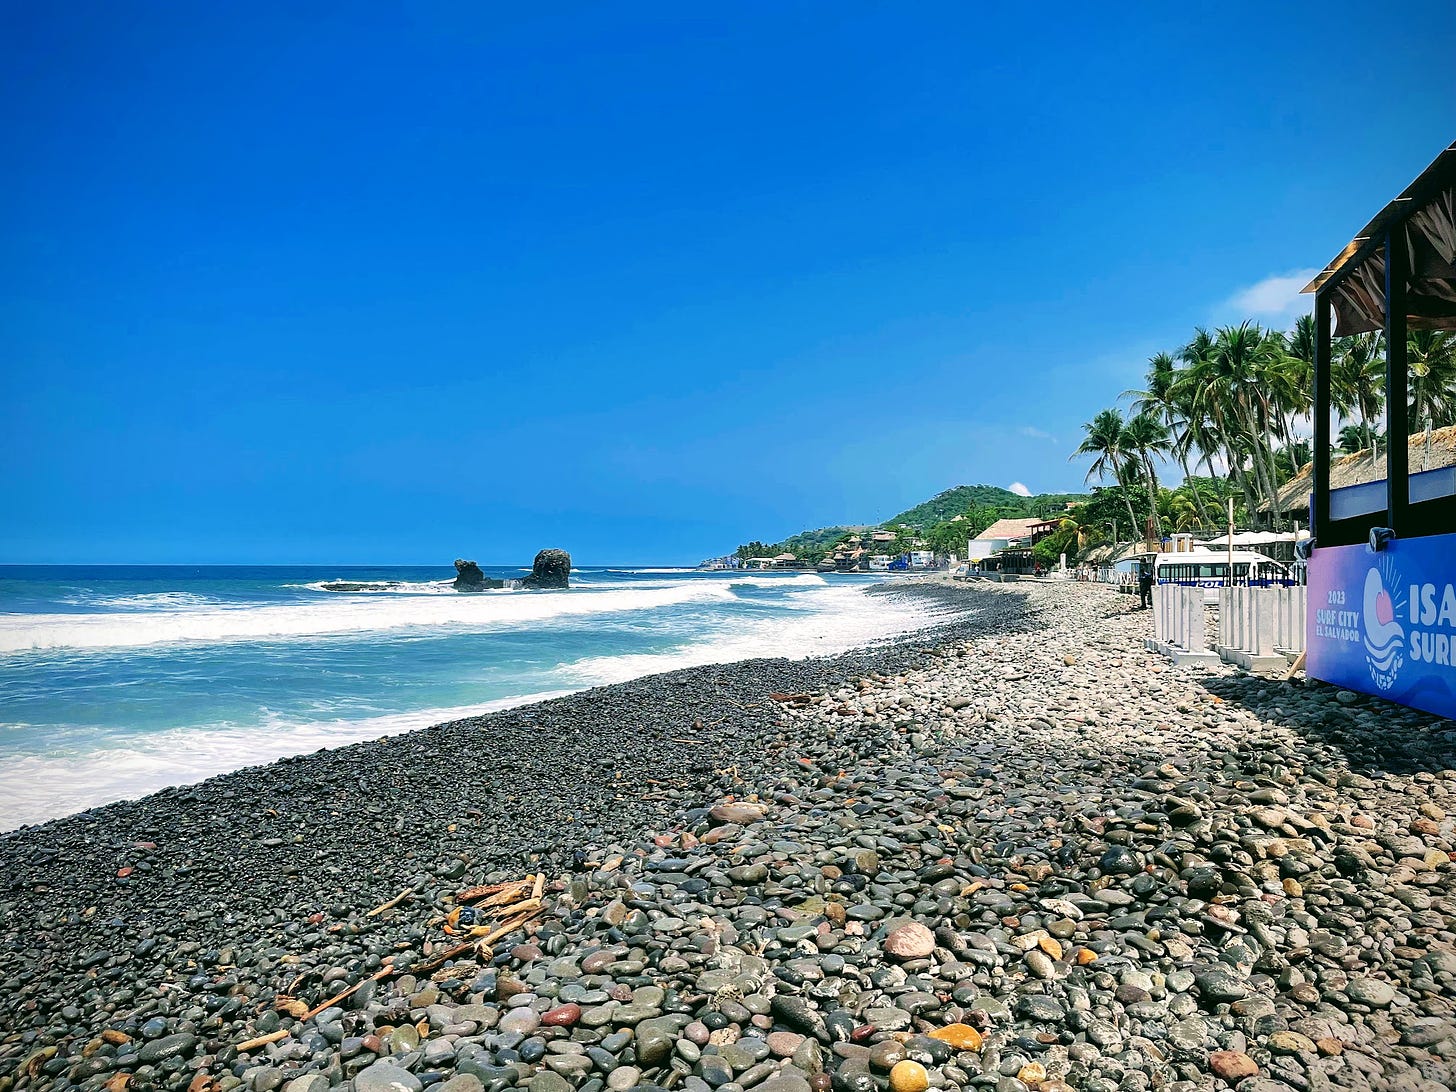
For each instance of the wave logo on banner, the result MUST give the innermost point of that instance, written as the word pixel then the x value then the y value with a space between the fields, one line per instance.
pixel 1384 636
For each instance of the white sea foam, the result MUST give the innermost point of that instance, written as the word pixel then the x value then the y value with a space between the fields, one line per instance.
pixel 34 788
pixel 380 587
pixel 143 601
pixel 340 615
pixel 833 621
pixel 798 580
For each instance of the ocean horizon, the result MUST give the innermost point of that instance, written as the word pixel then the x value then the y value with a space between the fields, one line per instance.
pixel 118 680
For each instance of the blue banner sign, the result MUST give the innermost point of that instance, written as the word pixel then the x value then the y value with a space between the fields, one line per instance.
pixel 1385 623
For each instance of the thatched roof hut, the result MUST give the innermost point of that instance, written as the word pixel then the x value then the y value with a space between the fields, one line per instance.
pixel 1427 451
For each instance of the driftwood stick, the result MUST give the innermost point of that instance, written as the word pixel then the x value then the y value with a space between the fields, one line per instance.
pixel 475 894
pixel 522 910
pixel 392 903
pixel 506 929
pixel 540 887
pixel 264 1040
pixel 1294 667
pixel 435 961
pixel 375 977
pixel 502 898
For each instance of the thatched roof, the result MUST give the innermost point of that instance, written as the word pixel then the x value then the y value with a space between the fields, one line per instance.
pixel 1360 468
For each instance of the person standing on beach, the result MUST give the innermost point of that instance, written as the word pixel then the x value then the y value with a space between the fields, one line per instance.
pixel 1145 585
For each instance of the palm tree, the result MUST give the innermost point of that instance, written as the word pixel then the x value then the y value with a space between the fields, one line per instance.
pixel 1168 401
pixel 1235 379
pixel 1103 440
pixel 1144 436
pixel 1353 438
pixel 1300 347
pixel 1431 357
pixel 1357 381
pixel 1181 507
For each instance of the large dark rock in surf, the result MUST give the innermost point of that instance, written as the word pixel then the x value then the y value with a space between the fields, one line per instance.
pixel 552 569
pixel 468 577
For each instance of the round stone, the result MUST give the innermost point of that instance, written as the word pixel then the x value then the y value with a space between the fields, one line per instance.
pixel 383 1077
pixel 564 1016
pixel 961 1036
pixel 521 1021
pixel 1371 991
pixel 1232 1065
pixel 908 1076
pixel 782 1044
pixel 910 941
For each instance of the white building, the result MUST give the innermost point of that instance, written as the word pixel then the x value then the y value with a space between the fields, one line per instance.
pixel 1001 535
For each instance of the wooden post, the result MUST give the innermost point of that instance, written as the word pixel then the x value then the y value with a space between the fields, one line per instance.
pixel 1397 453
pixel 1319 513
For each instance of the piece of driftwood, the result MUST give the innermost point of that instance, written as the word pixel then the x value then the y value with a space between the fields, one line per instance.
pixel 522 910
pixel 383 972
pixel 1296 666
pixel 509 927
pixel 438 960
pixel 392 903
pixel 518 901
pixel 264 1040
pixel 496 891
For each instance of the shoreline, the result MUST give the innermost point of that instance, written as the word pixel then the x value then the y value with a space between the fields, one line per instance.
pixel 200 731
pixel 995 780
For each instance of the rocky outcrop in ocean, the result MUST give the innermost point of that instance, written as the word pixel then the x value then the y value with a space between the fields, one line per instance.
pixel 551 569
pixel 468 577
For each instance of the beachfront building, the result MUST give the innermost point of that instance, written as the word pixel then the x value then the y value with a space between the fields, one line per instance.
pixel 922 559
pixel 780 561
pixel 1004 534
pixel 1043 527
pixel 1381 615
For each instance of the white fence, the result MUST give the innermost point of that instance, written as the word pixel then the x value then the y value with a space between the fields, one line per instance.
pixel 1261 624
pixel 1258 628
pixel 1178 624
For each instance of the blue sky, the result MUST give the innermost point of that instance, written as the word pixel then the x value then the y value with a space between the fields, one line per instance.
pixel 354 283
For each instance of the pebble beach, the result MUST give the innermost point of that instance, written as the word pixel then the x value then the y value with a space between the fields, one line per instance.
pixel 1014 852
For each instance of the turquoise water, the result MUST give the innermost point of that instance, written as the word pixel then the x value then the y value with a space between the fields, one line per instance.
pixel 115 681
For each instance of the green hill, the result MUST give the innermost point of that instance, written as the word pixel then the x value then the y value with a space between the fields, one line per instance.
pixel 961 499
pixel 984 503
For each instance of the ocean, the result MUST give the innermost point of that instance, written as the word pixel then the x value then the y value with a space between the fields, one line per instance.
pixel 116 681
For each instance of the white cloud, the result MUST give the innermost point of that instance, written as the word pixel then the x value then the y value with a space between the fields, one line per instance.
pixel 1036 433
pixel 1019 489
pixel 1275 300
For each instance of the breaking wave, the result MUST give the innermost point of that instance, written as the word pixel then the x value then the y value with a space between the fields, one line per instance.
pixel 341 616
